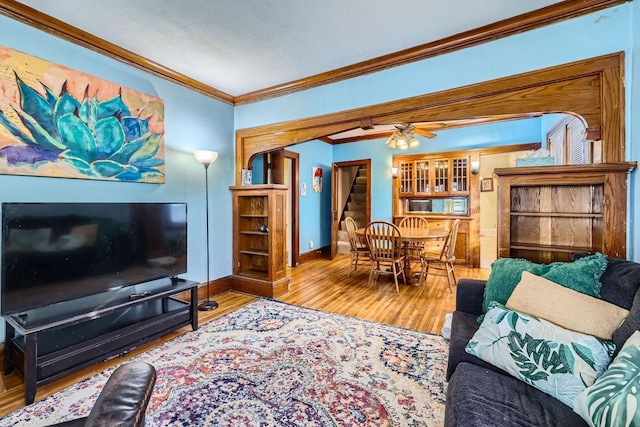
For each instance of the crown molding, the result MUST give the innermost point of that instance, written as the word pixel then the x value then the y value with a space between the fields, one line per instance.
pixel 41 21
pixel 564 10
pixel 528 21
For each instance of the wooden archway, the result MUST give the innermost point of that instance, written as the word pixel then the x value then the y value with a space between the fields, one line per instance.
pixel 591 88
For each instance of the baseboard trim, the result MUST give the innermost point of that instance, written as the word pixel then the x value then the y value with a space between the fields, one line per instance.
pixel 324 252
pixel 216 287
pixel 251 286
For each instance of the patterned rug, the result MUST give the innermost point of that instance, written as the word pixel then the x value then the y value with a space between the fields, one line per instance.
pixel 275 364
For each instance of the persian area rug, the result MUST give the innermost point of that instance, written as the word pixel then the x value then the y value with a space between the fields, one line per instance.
pixel 275 364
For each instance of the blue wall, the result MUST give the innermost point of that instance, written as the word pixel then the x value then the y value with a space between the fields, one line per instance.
pixel 592 35
pixel 496 134
pixel 633 131
pixel 192 121
pixel 315 207
pixel 604 32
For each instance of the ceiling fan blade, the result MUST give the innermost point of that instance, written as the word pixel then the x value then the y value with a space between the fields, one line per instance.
pixel 431 126
pixel 425 133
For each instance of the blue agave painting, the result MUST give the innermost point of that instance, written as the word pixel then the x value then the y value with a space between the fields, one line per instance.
pixel 97 139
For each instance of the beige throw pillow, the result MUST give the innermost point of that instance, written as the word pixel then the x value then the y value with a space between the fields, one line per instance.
pixel 565 307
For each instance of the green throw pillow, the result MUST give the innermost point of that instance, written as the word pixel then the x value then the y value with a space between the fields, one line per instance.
pixel 614 399
pixel 557 361
pixel 582 276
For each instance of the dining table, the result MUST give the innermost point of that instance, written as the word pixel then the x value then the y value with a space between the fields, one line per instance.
pixel 413 235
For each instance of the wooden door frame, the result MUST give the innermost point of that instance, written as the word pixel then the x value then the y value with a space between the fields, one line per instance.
pixel 277 174
pixel 295 206
pixel 592 89
pixel 334 190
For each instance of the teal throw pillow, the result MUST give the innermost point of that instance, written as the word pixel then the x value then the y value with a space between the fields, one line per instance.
pixel 582 276
pixel 557 361
pixel 614 399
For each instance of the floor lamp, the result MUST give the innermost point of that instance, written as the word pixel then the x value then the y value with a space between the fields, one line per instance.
pixel 206 158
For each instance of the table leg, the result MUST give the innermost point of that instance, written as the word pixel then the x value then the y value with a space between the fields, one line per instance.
pixel 194 308
pixel 9 335
pixel 30 358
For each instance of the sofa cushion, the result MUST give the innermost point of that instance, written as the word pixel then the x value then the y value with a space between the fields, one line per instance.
pixel 565 307
pixel 480 397
pixel 557 361
pixel 621 286
pixel 614 399
pixel 582 275
pixel 463 326
pixel 630 324
pixel 620 282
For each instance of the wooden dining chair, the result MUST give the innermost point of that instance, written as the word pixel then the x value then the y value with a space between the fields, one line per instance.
pixel 414 249
pixel 359 248
pixel 386 252
pixel 442 261
pixel 414 222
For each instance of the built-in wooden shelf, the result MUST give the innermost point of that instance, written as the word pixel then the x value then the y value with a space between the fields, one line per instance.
pixel 554 248
pixel 255 252
pixel 259 263
pixel 559 214
pixel 548 213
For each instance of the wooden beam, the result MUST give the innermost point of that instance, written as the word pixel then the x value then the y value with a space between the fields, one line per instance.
pixel 590 88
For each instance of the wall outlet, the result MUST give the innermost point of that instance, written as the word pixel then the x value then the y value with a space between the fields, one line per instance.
pixel 310 244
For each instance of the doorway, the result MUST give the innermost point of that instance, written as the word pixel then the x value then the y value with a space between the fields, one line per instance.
pixel 283 167
pixel 291 179
pixel 350 196
pixel 489 203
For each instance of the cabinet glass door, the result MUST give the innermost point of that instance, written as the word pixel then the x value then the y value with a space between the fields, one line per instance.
pixel 441 176
pixel 406 177
pixel 460 175
pixel 422 176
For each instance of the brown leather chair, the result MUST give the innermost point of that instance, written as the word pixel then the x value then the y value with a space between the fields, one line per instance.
pixel 123 400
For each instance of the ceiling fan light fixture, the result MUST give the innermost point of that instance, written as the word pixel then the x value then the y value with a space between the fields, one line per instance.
pixel 401 142
pixel 413 142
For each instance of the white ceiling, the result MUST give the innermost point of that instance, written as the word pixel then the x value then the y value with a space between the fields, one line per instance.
pixel 240 46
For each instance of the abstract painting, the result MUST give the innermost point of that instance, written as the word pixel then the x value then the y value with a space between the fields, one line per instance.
pixel 58 122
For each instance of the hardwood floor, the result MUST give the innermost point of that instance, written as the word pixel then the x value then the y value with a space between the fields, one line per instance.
pixel 319 284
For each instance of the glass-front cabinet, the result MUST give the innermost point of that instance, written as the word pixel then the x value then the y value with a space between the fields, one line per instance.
pixel 438 176
pixel 438 187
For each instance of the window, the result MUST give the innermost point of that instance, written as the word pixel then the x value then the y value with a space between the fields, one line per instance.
pixel 566 142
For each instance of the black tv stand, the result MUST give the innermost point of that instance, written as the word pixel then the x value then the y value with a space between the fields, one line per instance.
pixel 51 342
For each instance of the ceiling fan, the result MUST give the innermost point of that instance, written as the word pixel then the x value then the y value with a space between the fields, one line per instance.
pixel 403 137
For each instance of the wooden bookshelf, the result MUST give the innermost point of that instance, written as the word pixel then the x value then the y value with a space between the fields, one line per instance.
pixel 259 263
pixel 548 213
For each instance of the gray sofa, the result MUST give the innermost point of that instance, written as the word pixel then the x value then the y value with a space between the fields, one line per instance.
pixel 479 394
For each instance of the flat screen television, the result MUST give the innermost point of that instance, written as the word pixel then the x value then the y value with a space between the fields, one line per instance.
pixel 55 252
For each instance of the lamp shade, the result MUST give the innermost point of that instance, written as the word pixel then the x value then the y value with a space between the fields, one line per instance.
pixel 206 157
